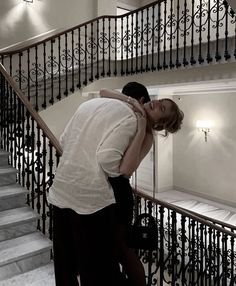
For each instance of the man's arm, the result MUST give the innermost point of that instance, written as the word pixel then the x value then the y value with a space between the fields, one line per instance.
pixel 120 96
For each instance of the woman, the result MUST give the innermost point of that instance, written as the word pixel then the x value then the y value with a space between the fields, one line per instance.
pixel 152 115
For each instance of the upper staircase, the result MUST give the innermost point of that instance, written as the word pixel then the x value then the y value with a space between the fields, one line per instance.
pixel 164 35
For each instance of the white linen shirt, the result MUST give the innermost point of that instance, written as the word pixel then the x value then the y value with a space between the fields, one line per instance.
pixel 93 144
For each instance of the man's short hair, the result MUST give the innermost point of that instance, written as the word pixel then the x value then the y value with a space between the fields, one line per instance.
pixel 136 90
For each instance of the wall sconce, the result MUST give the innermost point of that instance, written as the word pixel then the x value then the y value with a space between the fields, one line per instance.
pixel 204 126
pixel 28 1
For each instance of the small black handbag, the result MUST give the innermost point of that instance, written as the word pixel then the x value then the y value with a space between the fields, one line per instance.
pixel 143 233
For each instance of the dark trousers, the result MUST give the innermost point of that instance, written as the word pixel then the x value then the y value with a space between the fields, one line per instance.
pixel 84 245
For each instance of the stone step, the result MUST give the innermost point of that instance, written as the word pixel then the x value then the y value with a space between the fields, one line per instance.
pixel 23 254
pixel 7 176
pixel 4 158
pixel 12 196
pixel 17 222
pixel 42 276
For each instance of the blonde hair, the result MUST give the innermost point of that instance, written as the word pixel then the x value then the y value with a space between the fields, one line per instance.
pixel 173 122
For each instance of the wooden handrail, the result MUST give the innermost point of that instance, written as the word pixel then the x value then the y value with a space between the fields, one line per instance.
pixel 55 143
pixel 51 38
pixel 209 222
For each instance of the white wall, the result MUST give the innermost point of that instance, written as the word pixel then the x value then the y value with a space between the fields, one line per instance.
pixel 20 21
pixel 232 3
pixel 57 115
pixel 106 7
pixel 207 168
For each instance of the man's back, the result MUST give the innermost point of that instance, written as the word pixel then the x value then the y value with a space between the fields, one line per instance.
pixel 93 143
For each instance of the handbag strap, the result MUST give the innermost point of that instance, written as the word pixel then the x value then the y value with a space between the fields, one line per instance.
pixel 145 216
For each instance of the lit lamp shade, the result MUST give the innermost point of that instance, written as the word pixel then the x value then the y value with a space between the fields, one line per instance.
pixel 205 124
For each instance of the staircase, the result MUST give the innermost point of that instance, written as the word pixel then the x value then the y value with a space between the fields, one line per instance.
pixel 24 251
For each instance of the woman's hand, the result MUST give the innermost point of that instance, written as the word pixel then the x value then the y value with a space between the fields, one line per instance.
pixel 137 107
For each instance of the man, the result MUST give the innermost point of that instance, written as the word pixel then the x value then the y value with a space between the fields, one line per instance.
pixel 93 143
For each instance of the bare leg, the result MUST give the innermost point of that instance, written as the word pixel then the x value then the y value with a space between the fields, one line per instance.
pixel 129 260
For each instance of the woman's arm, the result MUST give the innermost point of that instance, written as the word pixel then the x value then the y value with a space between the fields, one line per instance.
pixel 138 148
pixel 120 96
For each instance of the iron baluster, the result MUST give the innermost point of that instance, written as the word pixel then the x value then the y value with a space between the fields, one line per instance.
pixel 66 64
pixel 103 47
pixel 38 170
pixel 226 52
pixel 14 127
pixel 174 261
pixel 147 40
pixel 171 34
pixel 217 54
pixel 200 58
pixel 72 89
pixel 132 44
pixel 97 45
pixel 185 62
pixel 36 78
pixel 211 256
pixel 49 175
pixel 32 165
pixel 162 233
pixel 116 49
pixel 137 42
pixel 92 56
pixel 153 37
pixel 159 66
pixel 209 57
pixel 44 104
pixel 127 45
pixel 201 245
pixel 177 64
pixel 44 199
pixel 224 259
pixel 85 82
pixel 59 68
pixel 23 144
pixel 28 74
pixel 109 47
pixel 217 258
pixel 122 46
pixel 51 100
pixel 79 59
pixel 142 42
pixel 192 60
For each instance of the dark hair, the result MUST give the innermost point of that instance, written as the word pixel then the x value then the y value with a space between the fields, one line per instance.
pixel 173 123
pixel 136 90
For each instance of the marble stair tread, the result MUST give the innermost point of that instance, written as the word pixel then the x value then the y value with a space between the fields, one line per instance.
pixel 41 276
pixel 7 175
pixel 3 157
pixel 16 216
pixel 22 247
pixel 7 170
pixel 11 191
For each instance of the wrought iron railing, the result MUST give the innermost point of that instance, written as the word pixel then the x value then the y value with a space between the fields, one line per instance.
pixel 167 34
pixel 33 149
pixel 189 250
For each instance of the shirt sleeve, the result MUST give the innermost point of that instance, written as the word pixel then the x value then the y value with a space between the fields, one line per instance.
pixel 113 147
